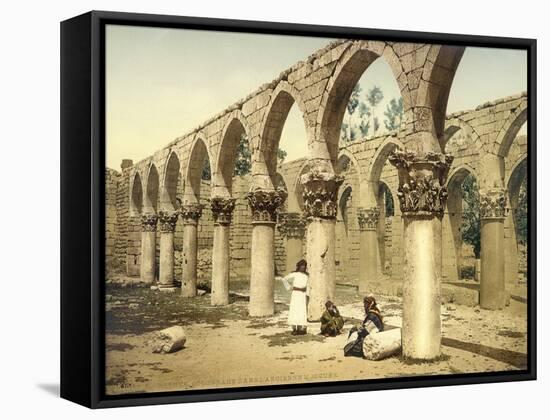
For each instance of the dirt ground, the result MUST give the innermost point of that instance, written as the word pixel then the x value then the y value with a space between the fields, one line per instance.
pixel 226 348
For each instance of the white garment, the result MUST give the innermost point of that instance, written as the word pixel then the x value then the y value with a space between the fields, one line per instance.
pixel 297 314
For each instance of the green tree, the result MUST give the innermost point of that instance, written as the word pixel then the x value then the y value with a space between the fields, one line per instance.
pixel 364 114
pixel 521 213
pixel 394 114
pixel 471 225
pixel 243 160
pixel 206 173
pixel 349 132
pixel 281 156
pixel 374 97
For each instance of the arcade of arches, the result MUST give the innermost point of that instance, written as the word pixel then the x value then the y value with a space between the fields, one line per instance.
pixel 383 213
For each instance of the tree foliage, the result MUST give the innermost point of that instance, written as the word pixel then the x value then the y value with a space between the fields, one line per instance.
pixel 521 214
pixel 394 114
pixel 471 225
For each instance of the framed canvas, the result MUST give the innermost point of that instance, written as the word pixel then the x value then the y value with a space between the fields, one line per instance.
pixel 254 209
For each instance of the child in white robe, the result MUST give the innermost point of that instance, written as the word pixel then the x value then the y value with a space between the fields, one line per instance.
pixel 297 281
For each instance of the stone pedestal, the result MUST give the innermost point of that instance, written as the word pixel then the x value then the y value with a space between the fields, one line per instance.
pixel 320 207
pixel 422 197
pixel 368 246
pixel 222 210
pixel 264 205
pixel 148 247
pixel 293 227
pixel 167 225
pixel 492 211
pixel 190 215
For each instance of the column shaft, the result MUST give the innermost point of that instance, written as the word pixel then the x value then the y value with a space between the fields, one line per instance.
pixel 222 210
pixel 148 248
pixel 262 274
pixel 220 265
pixel 166 267
pixel 368 247
pixel 189 261
pixel 422 197
pixel 321 242
pixel 492 213
pixel 190 215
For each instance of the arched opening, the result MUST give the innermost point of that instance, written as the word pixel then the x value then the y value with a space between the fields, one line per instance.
pixel 299 189
pixel 198 172
pixel 283 134
pixel 347 238
pixel 386 204
pixel 516 228
pixel 136 202
pixel 350 103
pixel 172 184
pixel 152 193
pixel 461 228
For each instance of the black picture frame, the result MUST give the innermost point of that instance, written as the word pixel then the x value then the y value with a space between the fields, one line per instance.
pixel 83 213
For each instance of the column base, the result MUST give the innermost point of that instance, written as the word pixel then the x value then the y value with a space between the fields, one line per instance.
pixel 169 289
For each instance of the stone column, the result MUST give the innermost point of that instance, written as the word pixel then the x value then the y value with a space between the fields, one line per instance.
pixel 190 215
pixel 368 246
pixel 167 225
pixel 222 211
pixel 320 206
pixel 293 227
pixel 264 205
pixel 148 247
pixel 492 212
pixel 422 197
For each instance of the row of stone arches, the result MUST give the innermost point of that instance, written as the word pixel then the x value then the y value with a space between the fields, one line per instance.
pixel 321 87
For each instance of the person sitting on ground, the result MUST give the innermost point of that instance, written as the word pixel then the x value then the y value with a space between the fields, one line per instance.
pixel 297 314
pixel 331 320
pixel 372 324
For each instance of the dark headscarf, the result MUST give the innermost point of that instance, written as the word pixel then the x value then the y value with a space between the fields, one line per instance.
pixel 301 263
pixel 370 306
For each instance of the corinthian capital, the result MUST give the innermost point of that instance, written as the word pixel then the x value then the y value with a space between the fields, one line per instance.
pixel 191 213
pixel 368 218
pixel 422 178
pixel 264 204
pixel 222 209
pixel 492 204
pixel 292 225
pixel 149 222
pixel 168 220
pixel 321 193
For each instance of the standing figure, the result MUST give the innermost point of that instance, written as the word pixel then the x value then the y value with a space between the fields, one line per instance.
pixel 331 320
pixel 298 282
pixel 372 324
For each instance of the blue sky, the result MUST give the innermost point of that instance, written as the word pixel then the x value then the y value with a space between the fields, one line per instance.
pixel 161 83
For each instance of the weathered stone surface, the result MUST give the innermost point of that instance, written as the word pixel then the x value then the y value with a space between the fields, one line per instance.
pixel 382 345
pixel 169 340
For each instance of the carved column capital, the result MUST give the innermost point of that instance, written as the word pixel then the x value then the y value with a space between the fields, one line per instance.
pixel 492 204
pixel 321 193
pixel 149 222
pixel 222 209
pixel 368 218
pixel 264 204
pixel 167 221
pixel 422 177
pixel 191 213
pixel 292 225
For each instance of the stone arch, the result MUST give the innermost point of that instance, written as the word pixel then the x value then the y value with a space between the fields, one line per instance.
pixel 343 204
pixel 171 183
pixel 384 255
pixel 457 125
pixel 510 129
pixel 193 175
pixel 152 190
pixel 452 223
pixel 349 69
pixel 282 99
pixel 434 85
pixel 375 169
pixel 136 196
pixel 235 127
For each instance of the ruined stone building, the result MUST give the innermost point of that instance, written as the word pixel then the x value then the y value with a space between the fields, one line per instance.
pixel 166 224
